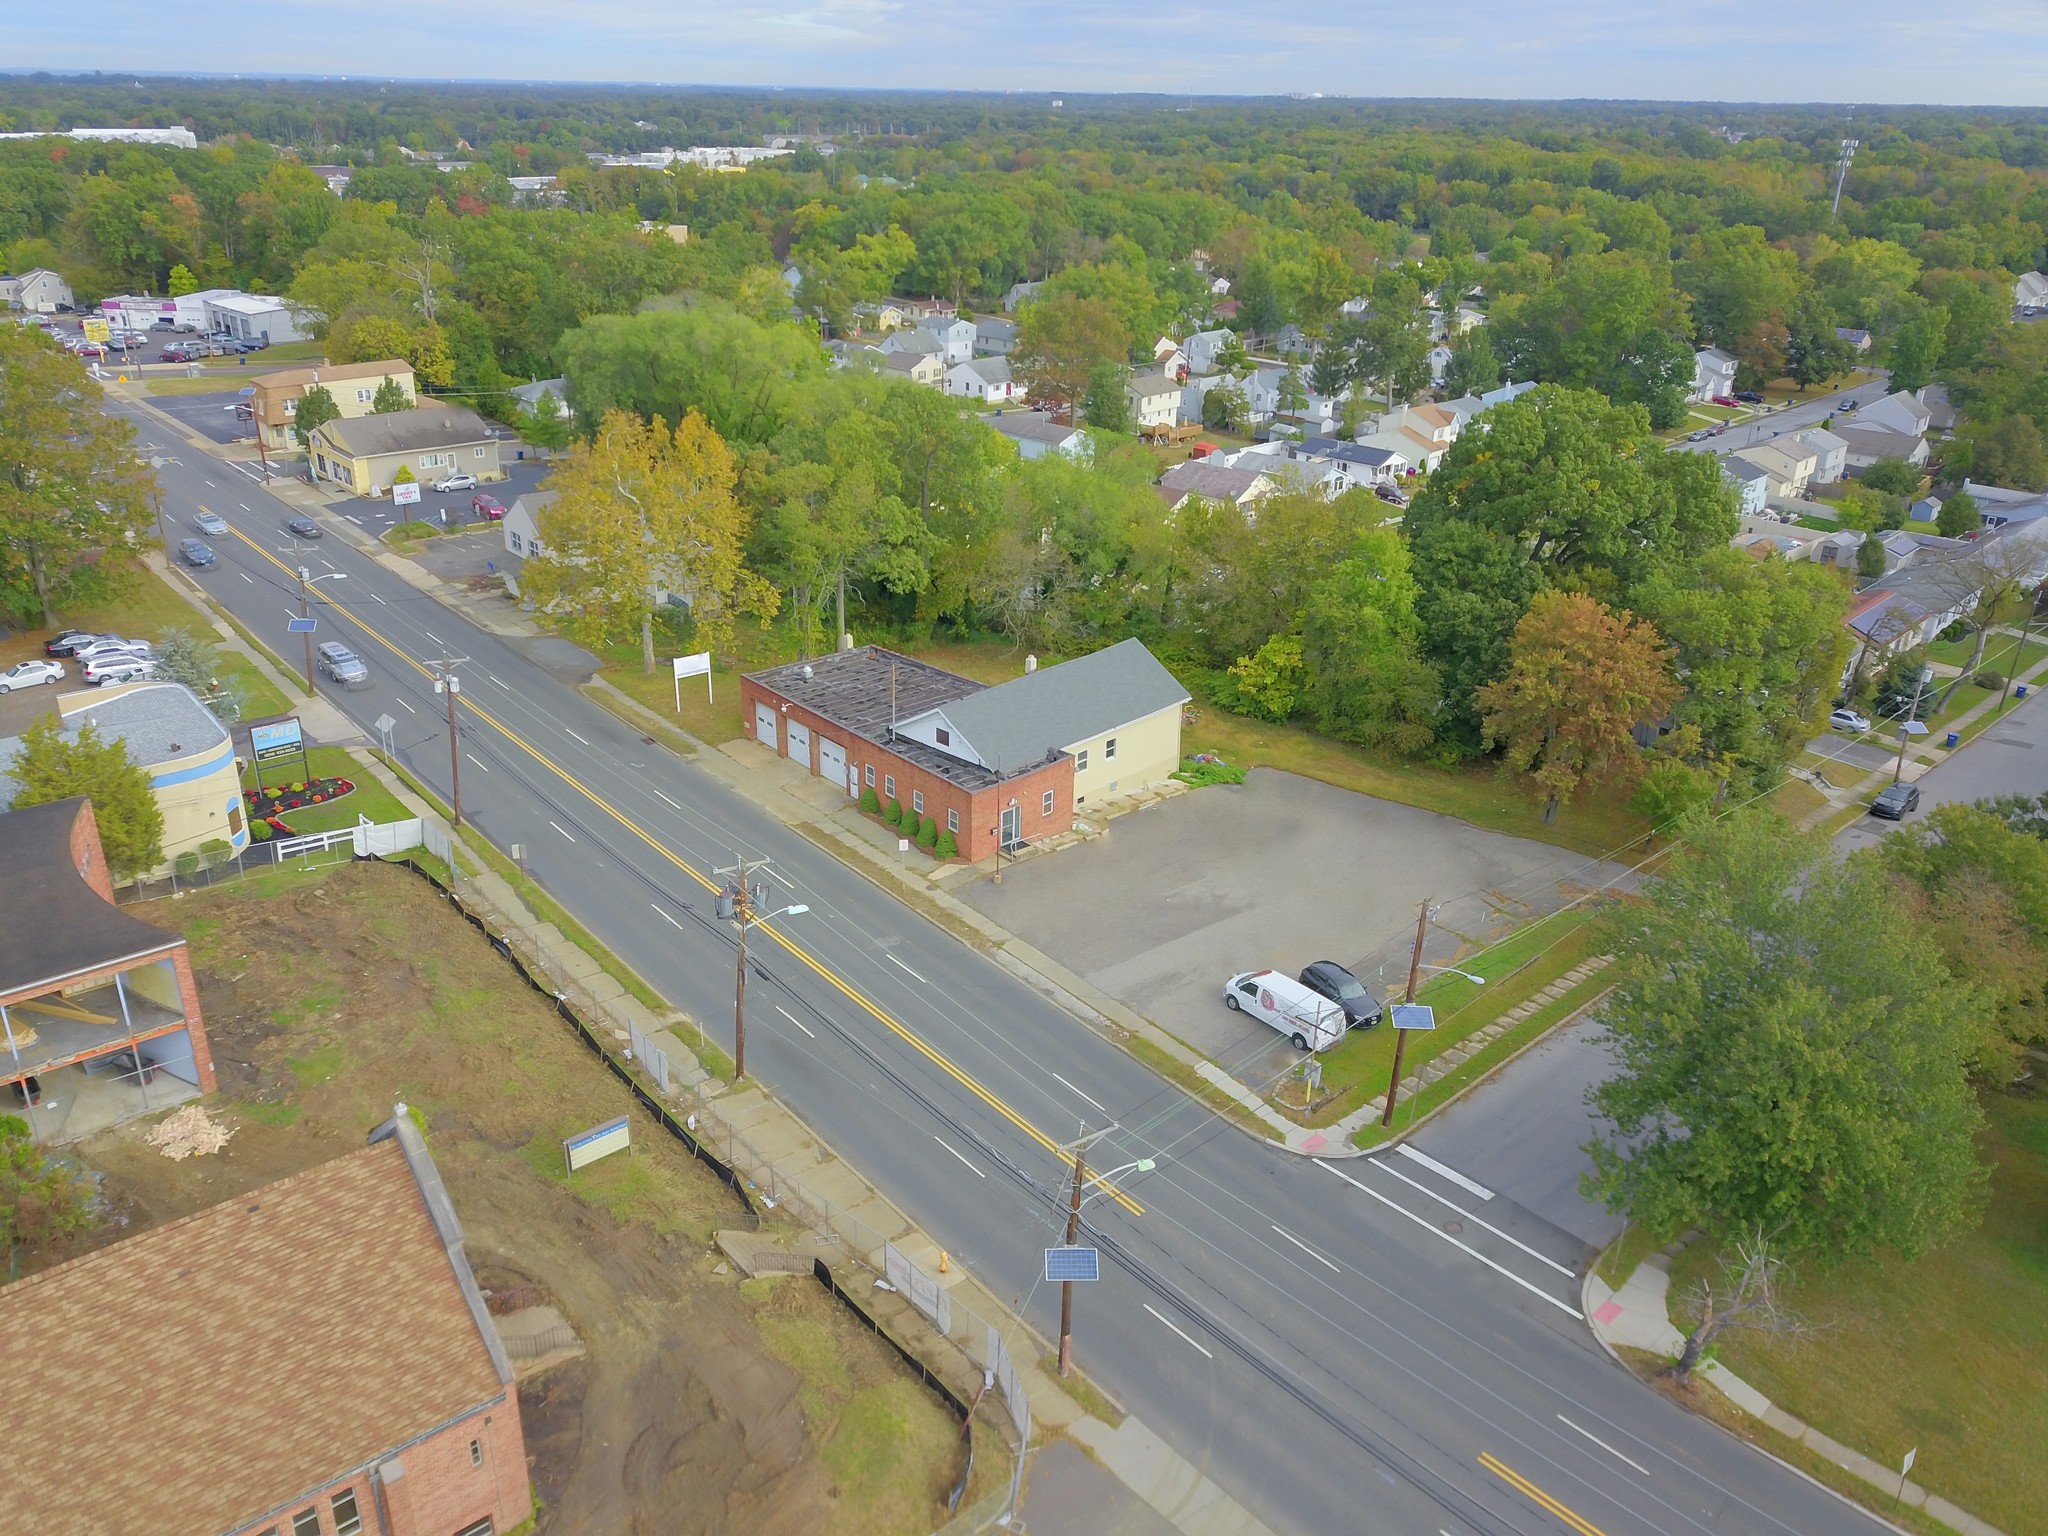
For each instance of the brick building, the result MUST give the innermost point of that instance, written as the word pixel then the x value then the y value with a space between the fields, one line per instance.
pixel 99 1011
pixel 1007 764
pixel 312 1358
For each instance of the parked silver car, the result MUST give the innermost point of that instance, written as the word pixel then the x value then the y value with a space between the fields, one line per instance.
pixel 118 669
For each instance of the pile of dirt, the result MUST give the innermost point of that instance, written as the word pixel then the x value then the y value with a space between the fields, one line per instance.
pixel 331 995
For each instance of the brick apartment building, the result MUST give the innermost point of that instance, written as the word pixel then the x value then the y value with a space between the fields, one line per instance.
pixel 1007 763
pixel 312 1358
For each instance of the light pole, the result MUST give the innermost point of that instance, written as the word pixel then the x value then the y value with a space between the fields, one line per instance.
pixel 1911 726
pixel 2019 656
pixel 1079 1149
pixel 306 580
pixel 737 904
pixel 448 685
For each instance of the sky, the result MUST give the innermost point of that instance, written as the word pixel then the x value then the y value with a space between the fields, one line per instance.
pixel 1965 52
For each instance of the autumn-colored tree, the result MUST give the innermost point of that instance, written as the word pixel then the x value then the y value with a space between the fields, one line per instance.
pixel 642 513
pixel 1062 341
pixel 1580 679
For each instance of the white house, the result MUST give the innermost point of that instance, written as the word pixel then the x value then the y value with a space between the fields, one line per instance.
pixel 1713 373
pixel 1238 485
pixel 528 395
pixel 1865 444
pixel 1897 412
pixel 1154 398
pixel 39 291
pixel 521 522
pixel 954 335
pixel 1419 433
pixel 1439 366
pixel 1752 484
pixel 920 342
pixel 995 336
pixel 1789 464
pixel 1830 453
pixel 1037 434
pixel 1219 287
pixel 2030 290
pixel 1358 463
pixel 1202 348
pixel 253 317
pixel 986 379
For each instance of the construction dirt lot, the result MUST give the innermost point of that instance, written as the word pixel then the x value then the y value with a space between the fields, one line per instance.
pixel 700 1403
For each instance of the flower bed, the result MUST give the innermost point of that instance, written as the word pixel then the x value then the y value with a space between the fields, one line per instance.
pixel 266 803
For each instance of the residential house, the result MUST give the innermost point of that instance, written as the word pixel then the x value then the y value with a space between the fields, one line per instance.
pixel 1036 434
pixel 1421 434
pixel 1752 483
pixel 528 395
pixel 99 1023
pixel 1764 533
pixel 1830 454
pixel 275 397
pixel 1864 444
pixel 2030 290
pixel 320 1361
pixel 986 379
pixel 1219 286
pixel 856 355
pixel 1167 357
pixel 1154 399
pixel 918 367
pixel 1293 341
pixel 883 315
pixel 1228 309
pixel 521 527
pixel 1360 464
pixel 1466 407
pixel 1203 481
pixel 996 766
pixel 995 336
pixel 1447 326
pixel 1789 464
pixel 260 317
pixel 364 452
pixel 1857 338
pixel 954 335
pixel 1195 393
pixel 1941 411
pixel 917 310
pixel 917 340
pixel 1900 411
pixel 1439 366
pixel 1019 295
pixel 792 278
pixel 1713 373
pixel 38 291
pixel 1202 349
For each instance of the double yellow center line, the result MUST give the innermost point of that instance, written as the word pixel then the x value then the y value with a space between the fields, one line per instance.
pixel 846 988
pixel 1536 1495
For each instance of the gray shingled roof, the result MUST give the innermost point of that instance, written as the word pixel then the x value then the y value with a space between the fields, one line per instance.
pixel 1047 711
pixel 67 927
pixel 408 431
pixel 1211 482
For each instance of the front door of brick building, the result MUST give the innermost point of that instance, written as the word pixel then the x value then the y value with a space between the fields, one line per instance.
pixel 1012 826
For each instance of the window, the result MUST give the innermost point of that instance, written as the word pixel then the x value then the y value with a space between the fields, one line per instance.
pixel 363 396
pixel 515 541
pixel 952 821
pixel 917 801
pixel 1109 749
pixel 306 1523
pixel 945 737
pixel 476 1453
pixel 479 452
pixel 291 407
pixel 1081 761
pixel 869 772
pixel 1045 805
pixel 347 1522
pixel 483 1527
pixel 889 785
pixel 235 820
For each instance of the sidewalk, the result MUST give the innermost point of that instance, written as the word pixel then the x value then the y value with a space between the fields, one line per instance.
pixel 1638 1317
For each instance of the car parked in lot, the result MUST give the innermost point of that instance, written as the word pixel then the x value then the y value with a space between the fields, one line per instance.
pixel 1361 1009
pixel 337 661
pixel 177 354
pixel 460 480
pixel 1393 495
pixel 211 523
pixel 488 507
pixel 1749 396
pixel 125 668
pixel 196 553
pixel 114 645
pixel 32 673
pixel 1895 800
pixel 1848 720
pixel 70 643
pixel 1728 402
pixel 303 527
pixel 1308 1020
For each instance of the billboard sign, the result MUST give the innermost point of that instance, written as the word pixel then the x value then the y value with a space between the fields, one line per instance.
pixel 95 328
pixel 599 1141
pixel 405 493
pixel 281 738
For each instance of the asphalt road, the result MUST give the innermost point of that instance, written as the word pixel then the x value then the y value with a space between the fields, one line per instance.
pixel 1811 413
pixel 2009 758
pixel 1338 1345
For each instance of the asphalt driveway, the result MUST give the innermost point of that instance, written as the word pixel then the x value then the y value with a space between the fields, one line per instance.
pixel 1276 872
pixel 376 516
pixel 211 416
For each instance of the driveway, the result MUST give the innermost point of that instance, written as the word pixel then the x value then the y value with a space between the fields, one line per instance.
pixel 376 516
pixel 1277 872
pixel 211 416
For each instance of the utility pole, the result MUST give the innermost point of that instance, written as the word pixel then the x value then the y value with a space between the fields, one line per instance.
pixel 1912 717
pixel 1401 1035
pixel 2020 655
pixel 448 685
pixel 305 612
pixel 740 903
pixel 1067 1286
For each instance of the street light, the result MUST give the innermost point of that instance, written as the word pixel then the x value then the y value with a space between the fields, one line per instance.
pixel 1477 981
pixel 1080 1150
pixel 736 905
pixel 306 580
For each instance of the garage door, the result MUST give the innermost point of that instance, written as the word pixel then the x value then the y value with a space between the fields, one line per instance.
pixel 832 762
pixel 800 744
pixel 764 726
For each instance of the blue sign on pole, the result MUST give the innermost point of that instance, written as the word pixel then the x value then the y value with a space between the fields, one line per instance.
pixel 281 739
pixel 1072 1264
pixel 294 625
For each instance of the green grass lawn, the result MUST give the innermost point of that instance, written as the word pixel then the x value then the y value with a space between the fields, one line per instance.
pixel 1943 1353
pixel 1796 798
pixel 2000 652
pixel 370 799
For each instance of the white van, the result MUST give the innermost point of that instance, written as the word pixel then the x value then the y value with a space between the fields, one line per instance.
pixel 1308 1020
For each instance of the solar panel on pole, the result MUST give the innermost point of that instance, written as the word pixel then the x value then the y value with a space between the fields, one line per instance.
pixel 1070 1264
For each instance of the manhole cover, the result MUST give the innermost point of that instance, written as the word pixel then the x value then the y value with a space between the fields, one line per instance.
pixel 1454 1227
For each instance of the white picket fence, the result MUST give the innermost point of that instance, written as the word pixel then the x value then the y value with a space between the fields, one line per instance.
pixel 369 839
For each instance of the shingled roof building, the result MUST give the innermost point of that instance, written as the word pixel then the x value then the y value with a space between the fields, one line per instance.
pixel 365 452
pixel 99 1011
pixel 1005 764
pixel 314 1359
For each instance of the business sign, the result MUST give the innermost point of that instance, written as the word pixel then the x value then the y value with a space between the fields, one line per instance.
pixel 281 738
pixel 95 328
pixel 599 1141
pixel 698 665
pixel 405 493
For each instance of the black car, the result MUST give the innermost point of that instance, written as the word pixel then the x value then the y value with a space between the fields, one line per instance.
pixel 1749 397
pixel 1361 1009
pixel 303 527
pixel 196 553
pixel 1392 495
pixel 70 643
pixel 1895 801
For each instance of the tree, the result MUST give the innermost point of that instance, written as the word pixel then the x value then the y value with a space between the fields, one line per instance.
pixel 2012 454
pixel 1473 368
pixel 1916 346
pixel 1290 396
pixel 1814 354
pixel 1738 281
pixel 1777 1068
pixel 1610 323
pixel 1748 1295
pixel 1580 679
pixel 315 409
pixel 390 397
pixel 183 657
pixel 1895 477
pixel 1959 515
pixel 181 282
pixel 546 426
pixel 73 498
pixel 1391 353
pixel 1360 644
pixel 1267 683
pixel 57 764
pixel 644 511
pixel 1669 792
pixel 41 1200
pixel 1231 357
pixel 1108 404
pixel 1225 408
pixel 1062 342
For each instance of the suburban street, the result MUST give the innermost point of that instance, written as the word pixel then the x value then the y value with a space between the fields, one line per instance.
pixel 2009 758
pixel 1783 419
pixel 1369 1344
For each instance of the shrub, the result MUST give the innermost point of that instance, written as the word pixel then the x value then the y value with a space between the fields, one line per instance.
pixel 894 815
pixel 870 801
pixel 186 864
pixel 928 834
pixel 1989 679
pixel 215 850
pixel 259 831
pixel 948 846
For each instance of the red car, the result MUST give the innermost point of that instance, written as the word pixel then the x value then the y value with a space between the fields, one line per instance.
pixel 1728 400
pixel 487 506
